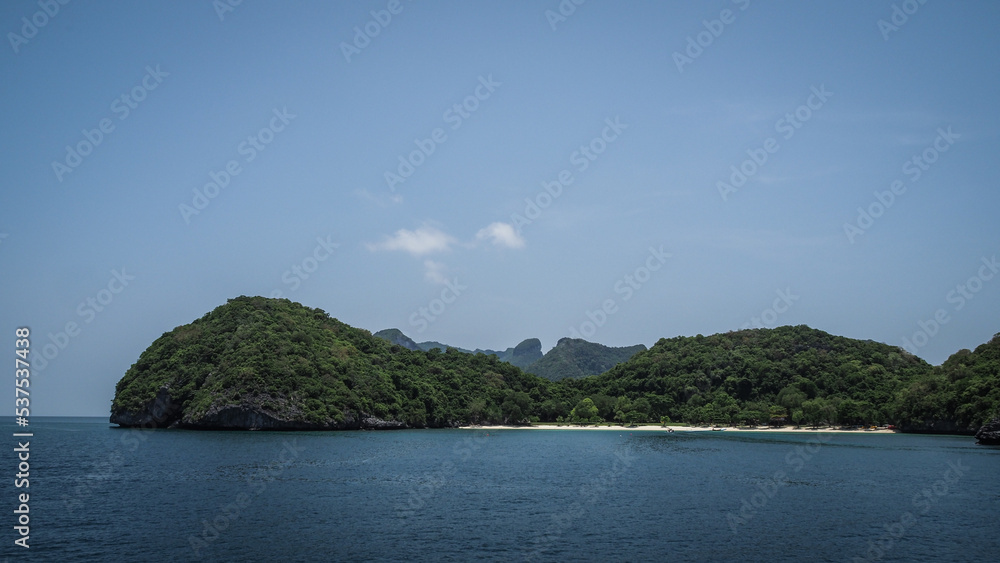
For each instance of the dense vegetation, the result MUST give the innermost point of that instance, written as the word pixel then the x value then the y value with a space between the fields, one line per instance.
pixel 788 374
pixel 576 358
pixel 298 365
pixel 961 394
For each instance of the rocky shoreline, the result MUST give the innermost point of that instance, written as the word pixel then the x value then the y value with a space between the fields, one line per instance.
pixel 164 412
pixel 989 434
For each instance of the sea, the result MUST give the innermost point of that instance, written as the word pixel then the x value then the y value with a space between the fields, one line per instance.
pixel 101 493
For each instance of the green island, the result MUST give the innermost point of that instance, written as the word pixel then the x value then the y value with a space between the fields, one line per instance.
pixel 260 363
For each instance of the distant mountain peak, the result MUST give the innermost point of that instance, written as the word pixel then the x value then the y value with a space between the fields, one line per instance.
pixel 532 347
pixel 576 358
pixel 522 355
pixel 397 337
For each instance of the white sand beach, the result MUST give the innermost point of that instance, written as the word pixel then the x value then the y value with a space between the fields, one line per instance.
pixel 658 428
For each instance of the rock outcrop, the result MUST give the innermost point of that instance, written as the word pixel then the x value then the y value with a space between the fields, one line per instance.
pixel 576 358
pixel 161 412
pixel 526 353
pixel 989 434
pixel 397 337
pixel 936 426
pixel 165 412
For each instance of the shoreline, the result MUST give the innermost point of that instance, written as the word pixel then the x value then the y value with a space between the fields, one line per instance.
pixel 668 428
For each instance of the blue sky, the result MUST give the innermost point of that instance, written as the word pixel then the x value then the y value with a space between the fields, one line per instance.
pixel 643 119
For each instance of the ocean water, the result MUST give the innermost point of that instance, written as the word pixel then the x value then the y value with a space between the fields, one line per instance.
pixel 99 493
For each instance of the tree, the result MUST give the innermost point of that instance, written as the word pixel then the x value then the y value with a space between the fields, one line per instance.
pixel 493 414
pixel 623 404
pixel 622 407
pixel 514 415
pixel 605 405
pixel 415 414
pixel 641 407
pixel 633 417
pixel 811 411
pixel 849 412
pixel 828 413
pixel 797 417
pixel 778 415
pixel 725 408
pixel 515 406
pixel 791 397
pixel 584 411
pixel 477 407
pixel 744 389
pixel 553 409
pixel 707 413
pixel 755 413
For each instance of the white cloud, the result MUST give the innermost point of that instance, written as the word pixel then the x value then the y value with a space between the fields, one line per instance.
pixel 501 234
pixel 424 240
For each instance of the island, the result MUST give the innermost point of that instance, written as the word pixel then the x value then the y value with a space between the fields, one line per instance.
pixel 257 363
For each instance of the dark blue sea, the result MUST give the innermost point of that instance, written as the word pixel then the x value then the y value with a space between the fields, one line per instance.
pixel 99 493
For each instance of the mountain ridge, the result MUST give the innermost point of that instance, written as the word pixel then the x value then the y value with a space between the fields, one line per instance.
pixel 521 355
pixel 570 357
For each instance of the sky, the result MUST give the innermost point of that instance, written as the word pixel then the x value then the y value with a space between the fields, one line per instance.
pixel 482 173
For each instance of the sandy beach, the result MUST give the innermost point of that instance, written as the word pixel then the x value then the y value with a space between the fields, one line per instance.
pixel 658 428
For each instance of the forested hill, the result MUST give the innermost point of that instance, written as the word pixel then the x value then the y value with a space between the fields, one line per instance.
pixel 958 396
pixel 795 372
pixel 270 363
